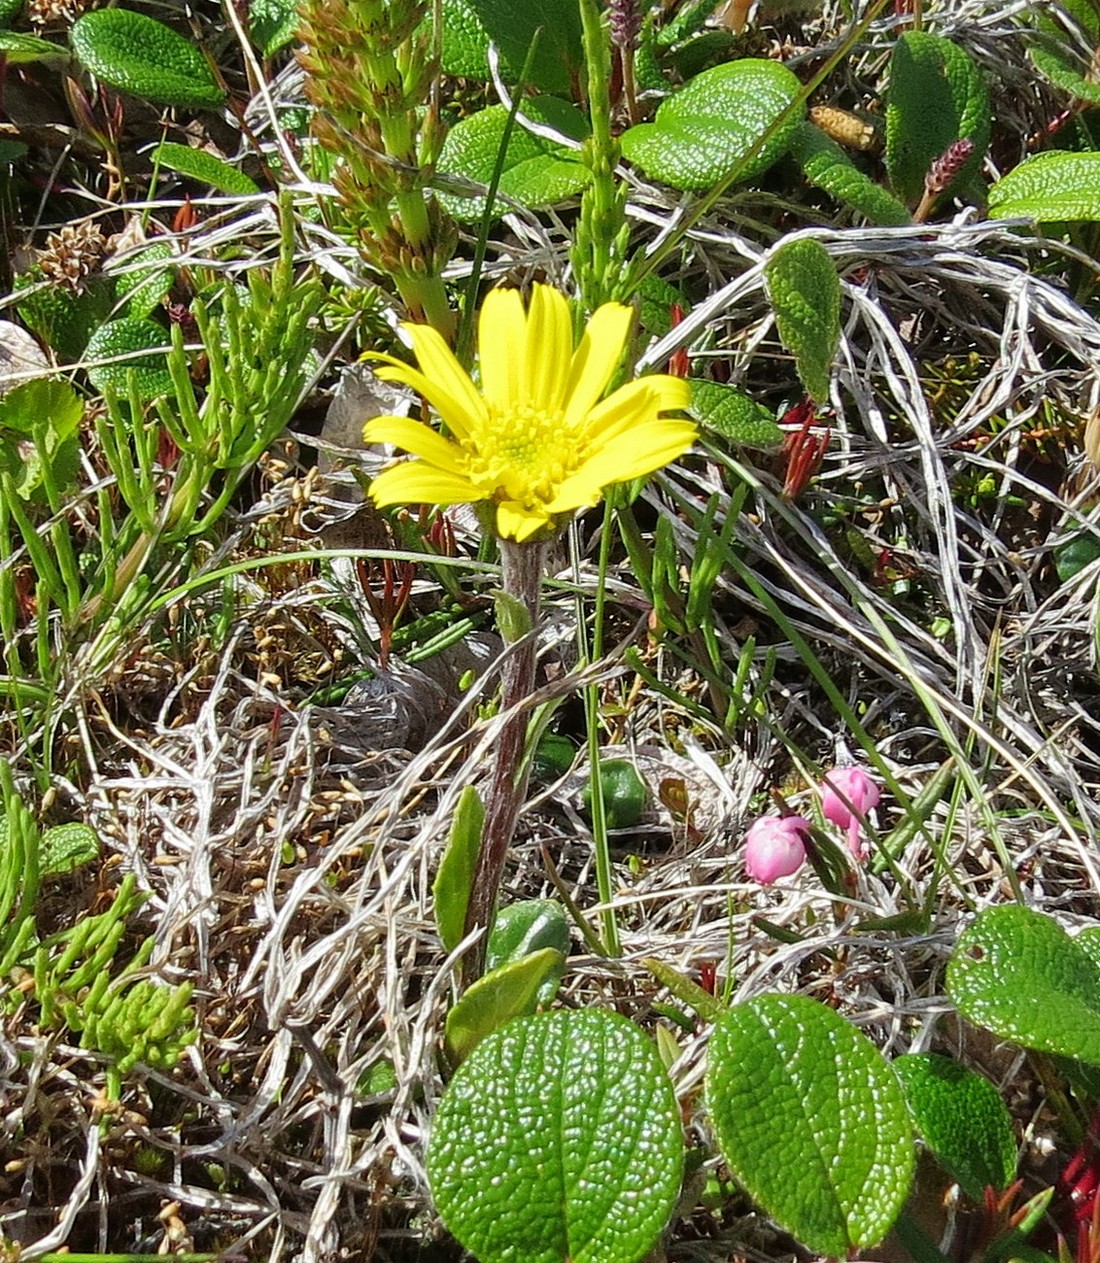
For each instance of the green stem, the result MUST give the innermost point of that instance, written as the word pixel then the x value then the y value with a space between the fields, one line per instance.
pixel 521 575
pixel 602 210
pixel 593 653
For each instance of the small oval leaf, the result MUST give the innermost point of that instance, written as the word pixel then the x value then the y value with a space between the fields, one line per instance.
pixel 143 343
pixel 962 1119
pixel 734 415
pixel 511 990
pixel 451 888
pixel 825 164
pixel 1020 975
pixel 805 294
pixel 139 55
pixel 524 927
pixel 1052 186
pixel 706 132
pixel 204 167
pixel 558 1139
pixel 812 1120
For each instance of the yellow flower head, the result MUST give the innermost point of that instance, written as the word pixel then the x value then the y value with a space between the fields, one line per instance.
pixel 536 441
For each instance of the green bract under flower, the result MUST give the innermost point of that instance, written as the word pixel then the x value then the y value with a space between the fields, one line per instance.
pixel 537 440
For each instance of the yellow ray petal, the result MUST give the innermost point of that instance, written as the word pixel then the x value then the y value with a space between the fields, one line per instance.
pixel 417 438
pixel 414 482
pixel 633 454
pixel 514 521
pixel 595 360
pixel 549 348
pixel 635 403
pixel 502 349
pixel 443 382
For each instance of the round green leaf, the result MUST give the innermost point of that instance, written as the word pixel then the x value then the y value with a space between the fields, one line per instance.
pixel 526 927
pixel 812 1120
pixel 1052 186
pixel 537 172
pixel 204 167
pixel 1019 974
pixel 558 1139
pixel 130 337
pixel 805 294
pixel 624 793
pixel 705 133
pixel 140 55
pixel 962 1119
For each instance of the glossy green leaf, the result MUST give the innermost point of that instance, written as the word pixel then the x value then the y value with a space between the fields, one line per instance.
pixel 1075 554
pixel 537 172
pixel 1019 974
pixel 18 48
pixel 1059 53
pixel 624 793
pixel 708 130
pixel 272 24
pixel 203 167
pixel 139 55
pixel 558 1140
pixel 1052 186
pixel 825 164
pixel 812 1121
pixel 525 927
pixel 453 881
pixel 470 25
pixel 962 1119
pixel 733 415
pixel 509 991
pixel 143 344
pixel 9 11
pixel 805 294
pixel 936 96
pixel 66 847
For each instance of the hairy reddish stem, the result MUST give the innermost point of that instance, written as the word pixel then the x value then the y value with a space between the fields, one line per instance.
pixel 521 571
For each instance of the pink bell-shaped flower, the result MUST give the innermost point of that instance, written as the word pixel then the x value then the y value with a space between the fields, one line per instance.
pixel 775 846
pixel 847 795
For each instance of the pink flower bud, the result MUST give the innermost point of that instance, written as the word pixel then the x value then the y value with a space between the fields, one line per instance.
pixel 847 795
pixel 775 847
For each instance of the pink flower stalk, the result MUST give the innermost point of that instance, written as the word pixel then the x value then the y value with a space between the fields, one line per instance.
pixel 847 795
pixel 775 847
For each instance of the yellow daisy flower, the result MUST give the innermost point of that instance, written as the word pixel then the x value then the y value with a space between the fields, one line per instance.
pixel 536 441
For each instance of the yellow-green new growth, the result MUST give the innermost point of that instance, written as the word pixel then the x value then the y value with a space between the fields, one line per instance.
pixel 537 442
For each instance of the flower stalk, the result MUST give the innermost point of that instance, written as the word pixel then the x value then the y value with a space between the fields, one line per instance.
pixel 521 579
